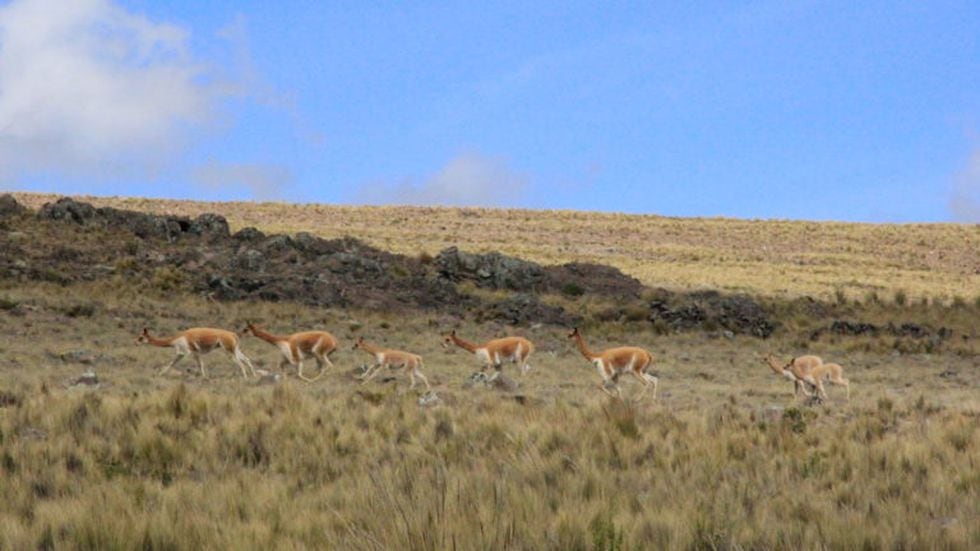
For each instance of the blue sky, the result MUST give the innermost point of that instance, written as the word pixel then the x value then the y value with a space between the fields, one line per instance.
pixel 863 111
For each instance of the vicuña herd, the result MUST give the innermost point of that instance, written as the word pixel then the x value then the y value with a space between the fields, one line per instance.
pixel 808 373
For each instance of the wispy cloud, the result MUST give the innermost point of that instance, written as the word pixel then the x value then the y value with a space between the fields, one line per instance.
pixel 470 179
pixel 88 87
pixel 262 182
pixel 964 202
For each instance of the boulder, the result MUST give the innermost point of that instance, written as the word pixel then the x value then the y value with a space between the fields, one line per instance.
pixel 10 207
pixel 492 270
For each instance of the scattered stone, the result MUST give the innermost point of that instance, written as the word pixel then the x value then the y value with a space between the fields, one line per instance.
pixel 947 374
pixel 429 399
pixel 89 378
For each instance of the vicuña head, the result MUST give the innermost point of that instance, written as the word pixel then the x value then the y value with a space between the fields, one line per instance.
pixel 447 340
pixel 144 337
pixel 249 329
pixel 774 363
pixel 574 333
pixel 358 343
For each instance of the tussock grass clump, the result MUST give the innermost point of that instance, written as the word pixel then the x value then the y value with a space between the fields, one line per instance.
pixel 277 467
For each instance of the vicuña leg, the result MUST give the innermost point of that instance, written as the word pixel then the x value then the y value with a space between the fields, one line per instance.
pixel 300 372
pixel 242 361
pixel 415 372
pixel 371 374
pixel 200 364
pixel 166 368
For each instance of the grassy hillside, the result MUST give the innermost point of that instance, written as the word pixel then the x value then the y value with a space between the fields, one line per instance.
pixel 939 262
pixel 724 458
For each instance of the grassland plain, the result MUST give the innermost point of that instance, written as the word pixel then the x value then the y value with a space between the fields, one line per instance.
pixel 771 258
pixel 725 458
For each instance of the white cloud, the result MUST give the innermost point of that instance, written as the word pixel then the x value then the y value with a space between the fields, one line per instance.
pixel 467 180
pixel 964 203
pixel 87 87
pixel 263 182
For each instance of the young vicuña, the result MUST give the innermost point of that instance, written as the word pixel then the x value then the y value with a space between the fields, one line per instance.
pixel 497 351
pixel 393 359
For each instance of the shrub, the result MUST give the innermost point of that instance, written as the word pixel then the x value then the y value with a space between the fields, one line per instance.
pixel 573 289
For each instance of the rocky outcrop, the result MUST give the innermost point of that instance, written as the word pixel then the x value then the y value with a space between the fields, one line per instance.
pixel 739 314
pixel 10 207
pixel 492 270
pixel 143 225
pixel 498 271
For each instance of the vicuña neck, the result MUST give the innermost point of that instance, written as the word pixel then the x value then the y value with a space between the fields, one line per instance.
pixel 370 348
pixel 160 342
pixel 584 349
pixel 266 336
pixel 463 343
pixel 775 365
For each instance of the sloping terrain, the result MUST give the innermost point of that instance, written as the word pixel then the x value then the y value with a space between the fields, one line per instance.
pixel 777 258
pixel 69 241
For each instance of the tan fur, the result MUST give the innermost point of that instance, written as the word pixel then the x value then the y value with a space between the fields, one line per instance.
pixel 412 363
pixel 800 371
pixel 297 347
pixel 495 352
pixel 810 370
pixel 833 374
pixel 613 362
pixel 198 341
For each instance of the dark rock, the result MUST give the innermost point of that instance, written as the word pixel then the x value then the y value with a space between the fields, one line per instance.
pixel 209 225
pixel 710 310
pixel 522 309
pixel 492 270
pixel 67 209
pixel 142 225
pixel 248 234
pixel 276 244
pixel 251 260
pixel 579 278
pixel 852 328
pixel 10 207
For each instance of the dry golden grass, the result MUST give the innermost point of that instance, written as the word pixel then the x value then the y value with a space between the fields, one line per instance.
pixel 776 258
pixel 179 462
